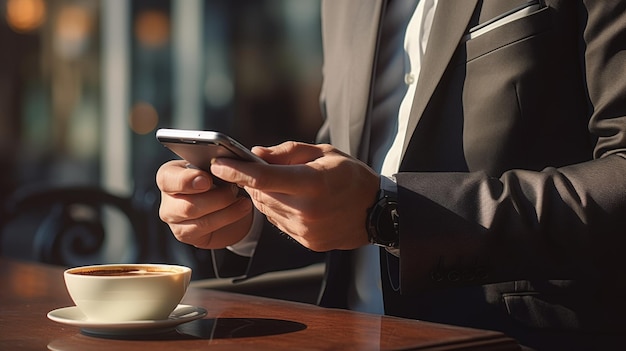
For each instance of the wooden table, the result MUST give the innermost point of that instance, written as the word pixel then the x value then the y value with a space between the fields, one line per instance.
pixel 234 322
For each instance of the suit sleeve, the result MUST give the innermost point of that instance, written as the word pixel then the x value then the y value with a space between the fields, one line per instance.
pixel 562 222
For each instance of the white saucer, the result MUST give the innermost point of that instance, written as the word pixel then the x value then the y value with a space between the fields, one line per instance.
pixel 73 316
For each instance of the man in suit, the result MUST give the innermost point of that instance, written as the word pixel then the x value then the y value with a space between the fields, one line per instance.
pixel 506 209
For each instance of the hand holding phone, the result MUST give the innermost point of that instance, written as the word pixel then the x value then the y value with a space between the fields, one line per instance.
pixel 200 147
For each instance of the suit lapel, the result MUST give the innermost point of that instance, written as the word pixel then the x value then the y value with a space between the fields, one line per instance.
pixel 449 25
pixel 350 53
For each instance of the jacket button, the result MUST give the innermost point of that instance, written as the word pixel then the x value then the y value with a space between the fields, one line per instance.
pixel 409 78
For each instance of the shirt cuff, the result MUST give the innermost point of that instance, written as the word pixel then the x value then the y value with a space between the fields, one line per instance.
pixel 388 184
pixel 246 246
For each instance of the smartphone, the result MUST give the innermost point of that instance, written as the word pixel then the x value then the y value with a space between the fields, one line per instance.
pixel 200 147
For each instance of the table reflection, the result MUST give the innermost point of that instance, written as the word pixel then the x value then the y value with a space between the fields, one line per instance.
pixel 230 328
pixel 205 329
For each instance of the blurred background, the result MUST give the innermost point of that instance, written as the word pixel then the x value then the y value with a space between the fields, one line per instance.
pixel 84 84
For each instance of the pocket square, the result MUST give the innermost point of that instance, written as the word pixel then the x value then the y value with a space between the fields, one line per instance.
pixel 507 17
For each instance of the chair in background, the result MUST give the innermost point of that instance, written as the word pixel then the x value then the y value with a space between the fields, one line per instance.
pixel 79 225
pixel 73 226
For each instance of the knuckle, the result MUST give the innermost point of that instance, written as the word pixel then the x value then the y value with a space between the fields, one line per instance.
pixel 255 182
pixel 257 197
pixel 176 210
pixel 290 145
pixel 189 233
pixel 164 215
pixel 327 148
pixel 186 209
pixel 182 233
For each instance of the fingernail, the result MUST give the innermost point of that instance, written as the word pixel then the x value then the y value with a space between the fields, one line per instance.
pixel 261 148
pixel 200 183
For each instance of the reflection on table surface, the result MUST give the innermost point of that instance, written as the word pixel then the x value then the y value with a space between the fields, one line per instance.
pixel 233 322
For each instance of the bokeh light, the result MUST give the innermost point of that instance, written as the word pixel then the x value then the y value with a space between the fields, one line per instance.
pixel 72 28
pixel 152 28
pixel 143 118
pixel 25 16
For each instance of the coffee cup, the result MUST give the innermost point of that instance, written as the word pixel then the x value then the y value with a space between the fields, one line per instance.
pixel 127 292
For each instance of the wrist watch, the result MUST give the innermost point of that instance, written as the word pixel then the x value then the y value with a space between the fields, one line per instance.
pixel 383 221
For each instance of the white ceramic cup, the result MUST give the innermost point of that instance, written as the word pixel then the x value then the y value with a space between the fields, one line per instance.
pixel 127 292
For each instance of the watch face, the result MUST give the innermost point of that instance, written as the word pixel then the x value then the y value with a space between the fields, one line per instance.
pixel 383 223
pixel 387 225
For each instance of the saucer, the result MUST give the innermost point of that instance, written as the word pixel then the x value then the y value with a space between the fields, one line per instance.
pixel 73 316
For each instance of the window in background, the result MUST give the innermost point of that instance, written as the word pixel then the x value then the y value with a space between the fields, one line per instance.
pixel 49 92
pixel 256 76
pixel 250 68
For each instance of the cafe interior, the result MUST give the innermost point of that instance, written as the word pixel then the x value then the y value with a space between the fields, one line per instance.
pixel 85 84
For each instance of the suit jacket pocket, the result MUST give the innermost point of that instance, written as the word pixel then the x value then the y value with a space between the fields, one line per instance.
pixel 532 310
pixel 507 31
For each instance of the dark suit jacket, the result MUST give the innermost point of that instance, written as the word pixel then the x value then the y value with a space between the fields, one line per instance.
pixel 512 186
